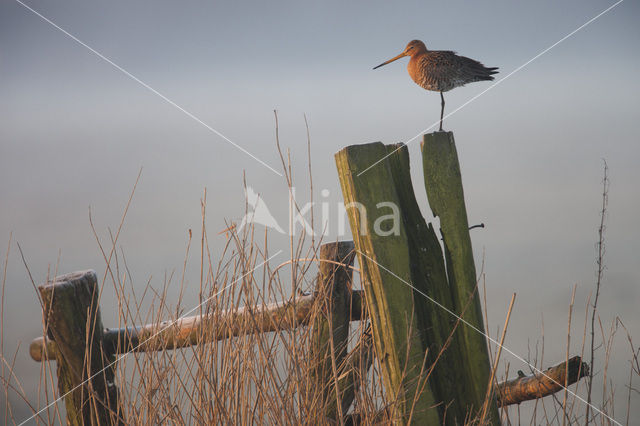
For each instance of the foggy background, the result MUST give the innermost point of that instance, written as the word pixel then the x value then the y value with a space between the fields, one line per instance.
pixel 75 131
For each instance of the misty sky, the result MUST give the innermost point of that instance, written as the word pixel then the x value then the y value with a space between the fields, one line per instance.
pixel 75 131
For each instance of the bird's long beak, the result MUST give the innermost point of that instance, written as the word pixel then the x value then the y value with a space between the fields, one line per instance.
pixel 402 55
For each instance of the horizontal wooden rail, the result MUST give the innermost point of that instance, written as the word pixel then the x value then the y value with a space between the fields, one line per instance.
pixel 515 391
pixel 277 317
pixel 192 330
pixel 552 380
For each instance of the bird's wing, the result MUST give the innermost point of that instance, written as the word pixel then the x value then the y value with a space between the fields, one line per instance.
pixel 448 70
pixel 440 67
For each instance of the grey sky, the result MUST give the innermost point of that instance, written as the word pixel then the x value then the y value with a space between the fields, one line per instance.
pixel 74 132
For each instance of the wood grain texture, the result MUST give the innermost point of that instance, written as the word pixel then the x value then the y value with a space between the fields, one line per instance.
pixel 187 331
pixel 85 369
pixel 538 385
pixel 443 182
pixel 385 261
pixel 330 325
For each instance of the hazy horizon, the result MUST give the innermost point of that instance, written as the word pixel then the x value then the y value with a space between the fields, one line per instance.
pixel 76 131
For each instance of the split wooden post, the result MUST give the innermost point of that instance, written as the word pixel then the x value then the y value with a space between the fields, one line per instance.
pixel 386 268
pixel 443 182
pixel 330 328
pixel 432 298
pixel 85 369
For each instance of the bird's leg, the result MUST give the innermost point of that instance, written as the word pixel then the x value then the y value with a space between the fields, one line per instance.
pixel 441 109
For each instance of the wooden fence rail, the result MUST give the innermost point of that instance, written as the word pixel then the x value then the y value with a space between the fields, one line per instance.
pixel 85 351
pixel 188 331
pixel 514 391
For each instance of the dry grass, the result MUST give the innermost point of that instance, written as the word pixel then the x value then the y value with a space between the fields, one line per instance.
pixel 266 378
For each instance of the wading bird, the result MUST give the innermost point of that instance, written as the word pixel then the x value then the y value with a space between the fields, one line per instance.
pixel 441 70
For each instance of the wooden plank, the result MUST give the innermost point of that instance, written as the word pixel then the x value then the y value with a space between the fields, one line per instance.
pixel 443 182
pixel 383 253
pixel 85 368
pixel 432 296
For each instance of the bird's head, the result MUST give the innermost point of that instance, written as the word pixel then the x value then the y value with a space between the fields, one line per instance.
pixel 413 48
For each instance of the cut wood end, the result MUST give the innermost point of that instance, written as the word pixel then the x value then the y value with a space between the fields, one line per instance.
pixel 89 274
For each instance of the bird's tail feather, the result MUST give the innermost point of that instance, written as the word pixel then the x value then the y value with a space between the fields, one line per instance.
pixel 487 73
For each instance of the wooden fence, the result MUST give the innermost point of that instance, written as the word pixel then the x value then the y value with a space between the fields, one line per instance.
pixel 419 297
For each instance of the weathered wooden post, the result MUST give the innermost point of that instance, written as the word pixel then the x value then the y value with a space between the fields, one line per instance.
pixel 410 291
pixel 333 372
pixel 330 328
pixel 85 369
pixel 386 268
pixel 443 182
pixel 432 298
